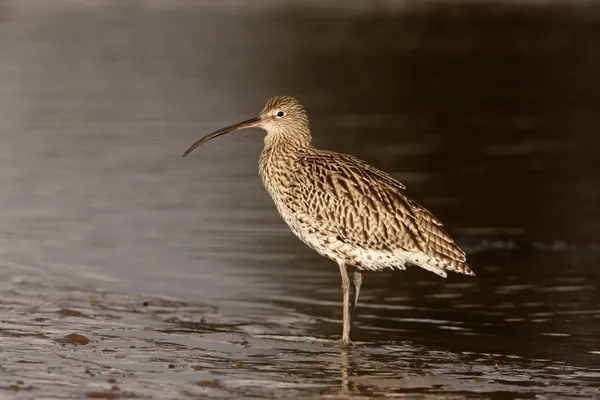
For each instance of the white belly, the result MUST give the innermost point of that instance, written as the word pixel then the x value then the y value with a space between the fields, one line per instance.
pixel 325 241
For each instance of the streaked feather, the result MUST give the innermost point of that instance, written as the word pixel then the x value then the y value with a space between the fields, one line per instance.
pixel 348 210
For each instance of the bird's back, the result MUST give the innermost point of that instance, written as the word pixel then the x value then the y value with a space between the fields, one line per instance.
pixel 356 214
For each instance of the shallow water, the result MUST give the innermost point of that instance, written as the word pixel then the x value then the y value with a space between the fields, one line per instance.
pixel 181 274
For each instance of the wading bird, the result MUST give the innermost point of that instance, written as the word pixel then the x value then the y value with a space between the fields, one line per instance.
pixel 343 208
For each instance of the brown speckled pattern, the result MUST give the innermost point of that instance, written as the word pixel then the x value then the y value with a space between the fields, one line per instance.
pixel 344 208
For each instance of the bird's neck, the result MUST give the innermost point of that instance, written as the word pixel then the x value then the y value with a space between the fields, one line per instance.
pixel 289 144
pixel 281 153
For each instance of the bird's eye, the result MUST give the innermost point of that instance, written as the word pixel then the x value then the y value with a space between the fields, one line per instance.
pixel 280 114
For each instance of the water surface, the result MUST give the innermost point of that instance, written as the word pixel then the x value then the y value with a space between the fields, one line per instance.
pixel 181 274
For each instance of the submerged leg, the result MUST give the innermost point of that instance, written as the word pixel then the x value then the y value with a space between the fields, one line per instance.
pixel 354 295
pixel 345 342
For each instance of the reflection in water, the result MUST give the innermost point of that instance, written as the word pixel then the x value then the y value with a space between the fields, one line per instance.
pixel 488 113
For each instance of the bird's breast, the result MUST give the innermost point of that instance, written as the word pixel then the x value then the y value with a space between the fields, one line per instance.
pixel 279 173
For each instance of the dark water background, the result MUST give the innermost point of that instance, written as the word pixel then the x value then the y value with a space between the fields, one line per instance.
pixel 182 275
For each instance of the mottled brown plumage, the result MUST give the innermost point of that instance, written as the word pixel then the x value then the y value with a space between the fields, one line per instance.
pixel 342 207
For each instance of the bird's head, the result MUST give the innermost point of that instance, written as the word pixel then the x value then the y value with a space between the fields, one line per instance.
pixel 282 117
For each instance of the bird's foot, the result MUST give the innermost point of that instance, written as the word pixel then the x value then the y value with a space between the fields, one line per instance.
pixel 342 344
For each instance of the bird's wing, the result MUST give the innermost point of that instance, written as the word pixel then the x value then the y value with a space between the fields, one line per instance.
pixel 367 208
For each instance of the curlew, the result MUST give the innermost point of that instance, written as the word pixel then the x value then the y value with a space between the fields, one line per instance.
pixel 343 208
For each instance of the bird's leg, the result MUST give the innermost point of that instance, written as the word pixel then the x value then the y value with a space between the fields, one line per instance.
pixel 357 282
pixel 345 342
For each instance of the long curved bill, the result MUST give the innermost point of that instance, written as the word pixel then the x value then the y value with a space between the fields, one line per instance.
pixel 251 123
